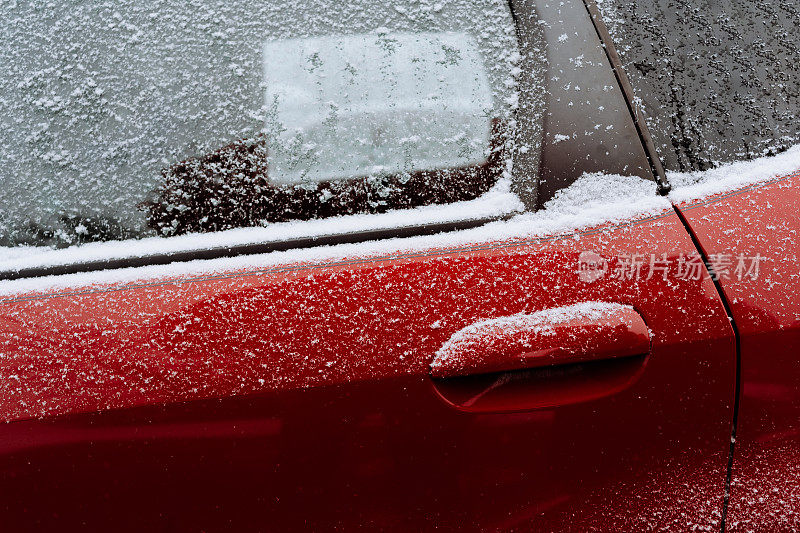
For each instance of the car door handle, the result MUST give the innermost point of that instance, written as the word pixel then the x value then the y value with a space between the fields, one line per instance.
pixel 553 357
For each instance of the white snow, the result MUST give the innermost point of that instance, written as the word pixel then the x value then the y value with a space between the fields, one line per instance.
pixel 540 322
pixel 691 186
pixel 423 103
pixel 97 99
pixel 496 202
pixel 592 201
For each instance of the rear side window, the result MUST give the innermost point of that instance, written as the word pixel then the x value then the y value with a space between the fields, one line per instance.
pixel 125 120
pixel 718 81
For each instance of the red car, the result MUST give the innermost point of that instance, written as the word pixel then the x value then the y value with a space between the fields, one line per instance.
pixel 466 265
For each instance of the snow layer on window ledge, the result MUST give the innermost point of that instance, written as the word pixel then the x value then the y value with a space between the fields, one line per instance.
pixel 593 200
pixel 692 186
pixel 496 202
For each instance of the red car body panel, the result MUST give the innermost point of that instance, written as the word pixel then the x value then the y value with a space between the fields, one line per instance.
pixel 762 219
pixel 299 397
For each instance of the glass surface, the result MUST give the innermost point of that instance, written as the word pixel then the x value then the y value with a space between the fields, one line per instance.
pixel 718 81
pixel 375 104
pixel 144 118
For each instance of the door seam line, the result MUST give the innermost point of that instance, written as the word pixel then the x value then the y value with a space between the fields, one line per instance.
pixel 664 188
pixel 738 379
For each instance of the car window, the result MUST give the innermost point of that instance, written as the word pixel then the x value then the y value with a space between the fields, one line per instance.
pixel 717 81
pixel 145 118
pixel 172 133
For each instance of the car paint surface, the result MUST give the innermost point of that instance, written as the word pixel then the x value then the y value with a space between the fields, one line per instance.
pixel 762 219
pixel 300 398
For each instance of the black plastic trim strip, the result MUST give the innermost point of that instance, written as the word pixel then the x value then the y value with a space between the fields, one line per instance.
pixel 660 175
pixel 247 249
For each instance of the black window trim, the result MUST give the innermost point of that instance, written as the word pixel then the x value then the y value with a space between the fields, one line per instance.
pixel 663 185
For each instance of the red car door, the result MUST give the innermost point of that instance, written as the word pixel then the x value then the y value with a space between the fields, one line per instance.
pixel 330 418
pixel 750 232
pixel 571 369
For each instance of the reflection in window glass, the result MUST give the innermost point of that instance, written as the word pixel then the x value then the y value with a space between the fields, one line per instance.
pixel 138 118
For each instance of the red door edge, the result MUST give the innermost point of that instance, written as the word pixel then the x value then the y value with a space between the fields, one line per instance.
pixel 714 222
pixel 737 340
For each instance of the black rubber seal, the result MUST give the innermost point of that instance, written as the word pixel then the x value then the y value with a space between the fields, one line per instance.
pixel 660 175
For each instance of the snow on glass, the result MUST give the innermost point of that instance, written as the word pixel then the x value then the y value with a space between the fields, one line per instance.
pixel 133 119
pixel 717 81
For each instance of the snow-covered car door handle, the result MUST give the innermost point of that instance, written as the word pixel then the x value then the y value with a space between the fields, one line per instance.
pixel 553 357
